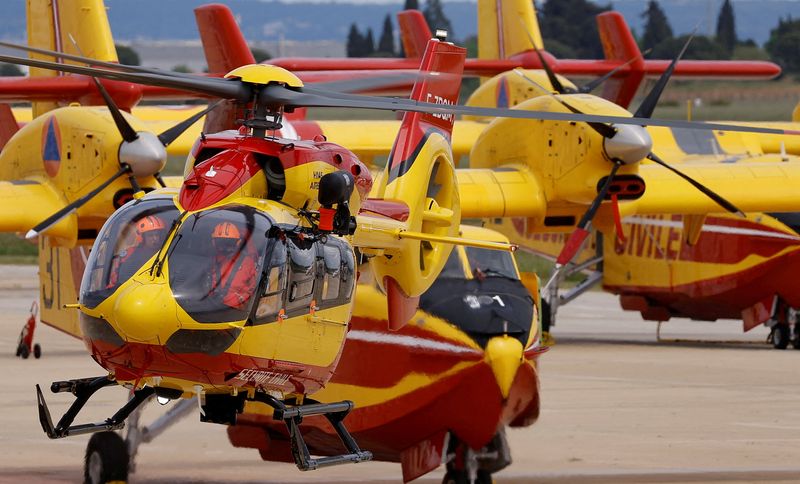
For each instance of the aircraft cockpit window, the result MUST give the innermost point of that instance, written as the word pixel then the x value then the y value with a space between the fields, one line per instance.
pixel 453 269
pixel 491 263
pixel 215 262
pixel 129 239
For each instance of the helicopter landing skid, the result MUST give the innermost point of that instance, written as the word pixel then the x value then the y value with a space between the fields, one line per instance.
pixel 292 416
pixel 83 389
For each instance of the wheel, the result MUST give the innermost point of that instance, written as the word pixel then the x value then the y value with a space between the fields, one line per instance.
pixel 24 351
pixel 106 459
pixel 37 351
pixel 453 476
pixel 19 350
pixel 780 336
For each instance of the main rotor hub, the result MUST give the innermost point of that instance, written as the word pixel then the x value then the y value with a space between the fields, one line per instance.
pixel 264 74
pixel 629 145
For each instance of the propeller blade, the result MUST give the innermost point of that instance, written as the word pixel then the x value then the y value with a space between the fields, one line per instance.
pixel 649 103
pixel 172 133
pixel 595 83
pixel 56 217
pixel 707 191
pixel 124 128
pixel 551 76
pixel 310 97
pixel 601 195
pixel 604 130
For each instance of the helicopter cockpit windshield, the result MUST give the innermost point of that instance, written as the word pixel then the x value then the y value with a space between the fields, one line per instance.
pixel 129 239
pixel 480 292
pixel 215 262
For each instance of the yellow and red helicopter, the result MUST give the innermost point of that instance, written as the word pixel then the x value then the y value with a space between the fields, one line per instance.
pixel 505 190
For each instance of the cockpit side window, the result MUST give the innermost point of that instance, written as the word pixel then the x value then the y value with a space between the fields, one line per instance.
pixel 302 258
pixel 338 272
pixel 491 263
pixel 453 268
pixel 130 238
pixel 271 302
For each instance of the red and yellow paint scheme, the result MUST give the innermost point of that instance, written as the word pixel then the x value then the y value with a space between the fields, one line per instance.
pixel 443 380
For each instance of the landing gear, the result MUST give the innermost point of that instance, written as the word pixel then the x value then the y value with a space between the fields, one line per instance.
pixel 467 466
pixel 785 326
pixel 780 336
pixel 292 416
pixel 106 459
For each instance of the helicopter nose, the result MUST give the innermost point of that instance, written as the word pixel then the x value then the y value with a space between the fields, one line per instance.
pixel 629 145
pixel 504 355
pixel 141 312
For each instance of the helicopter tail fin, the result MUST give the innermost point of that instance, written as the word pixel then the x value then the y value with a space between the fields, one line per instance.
pixel 620 45
pixel 223 42
pixel 504 28
pixel 420 176
pixel 414 33
pixel 54 24
pixel 225 49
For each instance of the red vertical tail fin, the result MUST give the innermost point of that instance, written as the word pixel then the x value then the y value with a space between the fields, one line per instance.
pixel 414 33
pixel 223 42
pixel 620 45
pixel 421 174
pixel 442 67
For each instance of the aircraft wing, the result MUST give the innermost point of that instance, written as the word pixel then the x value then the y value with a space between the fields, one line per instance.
pixel 752 187
pixel 25 203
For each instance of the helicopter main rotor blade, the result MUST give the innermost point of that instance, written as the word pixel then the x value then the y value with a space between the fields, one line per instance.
pixel 603 129
pixel 56 217
pixel 91 62
pixel 222 88
pixel 278 95
pixel 708 192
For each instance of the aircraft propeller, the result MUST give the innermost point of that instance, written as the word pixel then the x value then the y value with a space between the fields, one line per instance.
pixel 623 146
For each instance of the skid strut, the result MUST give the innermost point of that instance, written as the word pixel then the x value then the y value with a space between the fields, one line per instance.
pixel 83 389
pixel 292 416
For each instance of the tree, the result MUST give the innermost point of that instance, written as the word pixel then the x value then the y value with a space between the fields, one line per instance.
pixel 726 28
pixel 183 68
pixel 411 5
pixel 369 43
pixel 127 55
pixel 386 41
pixel 260 55
pixel 571 24
pixel 700 48
pixel 10 70
pixel 355 42
pixel 656 29
pixel 783 42
pixel 434 15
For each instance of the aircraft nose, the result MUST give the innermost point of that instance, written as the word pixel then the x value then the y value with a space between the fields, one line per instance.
pixel 504 355
pixel 140 311
pixel 629 145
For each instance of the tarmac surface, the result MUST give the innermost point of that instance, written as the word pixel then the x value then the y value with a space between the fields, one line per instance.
pixel 618 406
